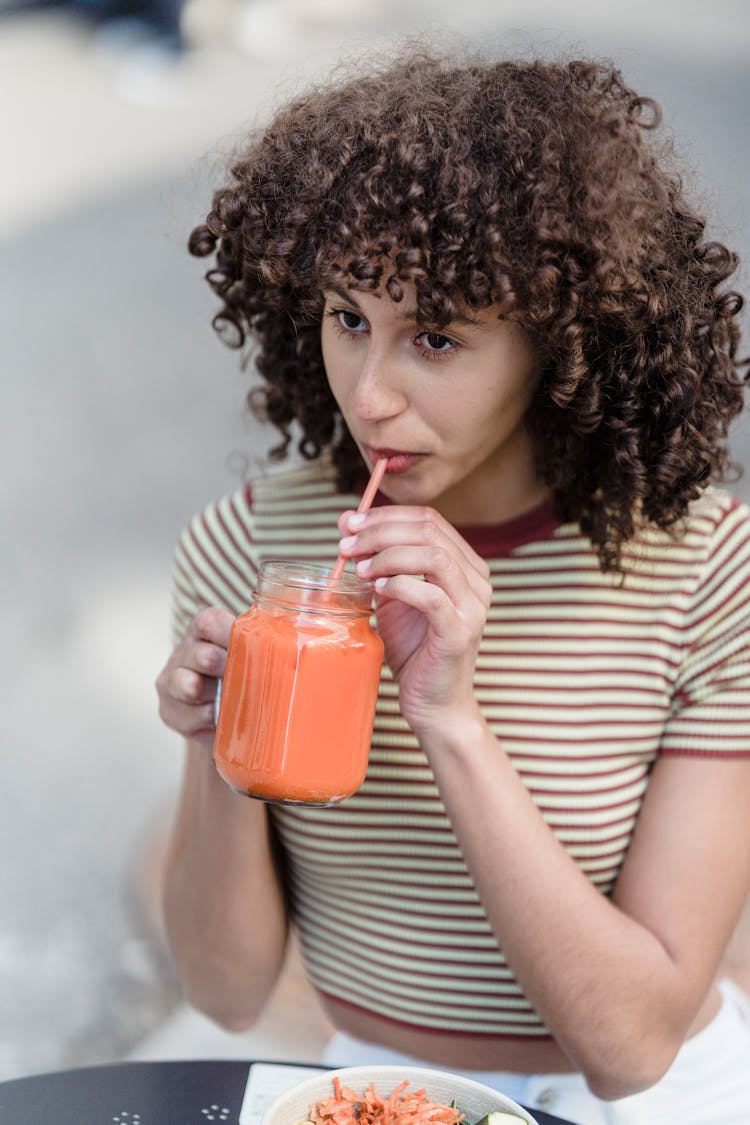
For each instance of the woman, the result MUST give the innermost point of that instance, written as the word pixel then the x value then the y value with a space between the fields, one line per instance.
pixel 486 273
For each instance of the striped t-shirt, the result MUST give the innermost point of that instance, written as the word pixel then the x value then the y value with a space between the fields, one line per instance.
pixel 583 678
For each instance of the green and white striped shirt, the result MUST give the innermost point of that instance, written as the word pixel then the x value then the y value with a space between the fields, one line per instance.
pixel 584 680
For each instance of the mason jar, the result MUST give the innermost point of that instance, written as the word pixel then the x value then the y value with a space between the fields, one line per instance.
pixel 300 686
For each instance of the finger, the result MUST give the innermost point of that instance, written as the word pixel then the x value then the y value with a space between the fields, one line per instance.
pixel 186 686
pixel 344 519
pixel 440 563
pixel 428 541
pixel 205 659
pixel 187 719
pixel 399 524
pixel 440 567
pixel 444 619
pixel 212 624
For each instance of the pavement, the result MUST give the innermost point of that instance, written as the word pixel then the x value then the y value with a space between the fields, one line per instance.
pixel 122 415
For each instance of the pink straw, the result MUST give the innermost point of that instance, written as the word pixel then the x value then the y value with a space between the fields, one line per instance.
pixel 368 496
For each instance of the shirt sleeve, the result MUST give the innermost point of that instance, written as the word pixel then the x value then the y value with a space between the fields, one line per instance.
pixel 215 562
pixel 711 704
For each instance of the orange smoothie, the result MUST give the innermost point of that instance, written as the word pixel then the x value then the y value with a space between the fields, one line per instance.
pixel 298 698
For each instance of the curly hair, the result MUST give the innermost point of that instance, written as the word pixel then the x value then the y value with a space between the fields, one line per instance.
pixel 536 186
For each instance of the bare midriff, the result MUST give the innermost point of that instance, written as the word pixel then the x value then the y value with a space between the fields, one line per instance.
pixel 297 705
pixel 472 1052
pixel 454 1051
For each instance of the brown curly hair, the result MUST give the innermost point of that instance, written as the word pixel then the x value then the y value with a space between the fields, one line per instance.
pixel 535 185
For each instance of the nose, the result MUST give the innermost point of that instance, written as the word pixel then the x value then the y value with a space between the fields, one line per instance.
pixel 378 390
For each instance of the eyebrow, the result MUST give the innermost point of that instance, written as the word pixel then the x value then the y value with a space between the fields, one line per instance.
pixel 409 315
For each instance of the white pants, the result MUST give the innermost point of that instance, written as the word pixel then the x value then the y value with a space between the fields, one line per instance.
pixel 707 1084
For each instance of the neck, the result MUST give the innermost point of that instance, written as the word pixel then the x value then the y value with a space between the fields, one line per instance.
pixel 495 498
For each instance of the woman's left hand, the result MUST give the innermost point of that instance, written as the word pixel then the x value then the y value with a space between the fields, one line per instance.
pixel 433 594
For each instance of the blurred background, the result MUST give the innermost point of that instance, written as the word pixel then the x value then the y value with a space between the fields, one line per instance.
pixel 122 414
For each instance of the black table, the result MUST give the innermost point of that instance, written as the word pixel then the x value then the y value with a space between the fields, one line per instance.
pixel 143 1093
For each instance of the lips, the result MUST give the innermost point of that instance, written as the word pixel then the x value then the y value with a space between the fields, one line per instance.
pixel 399 460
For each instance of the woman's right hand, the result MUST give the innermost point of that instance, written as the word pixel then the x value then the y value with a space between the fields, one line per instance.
pixel 186 685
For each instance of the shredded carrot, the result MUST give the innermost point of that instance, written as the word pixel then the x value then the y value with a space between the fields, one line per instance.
pixel 345 1107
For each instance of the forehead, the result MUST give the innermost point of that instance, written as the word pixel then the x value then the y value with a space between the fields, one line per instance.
pixel 445 283
pixel 406 308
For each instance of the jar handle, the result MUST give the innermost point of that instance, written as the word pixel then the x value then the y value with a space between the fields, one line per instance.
pixel 217 700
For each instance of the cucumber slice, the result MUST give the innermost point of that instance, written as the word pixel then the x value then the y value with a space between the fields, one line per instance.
pixel 500 1117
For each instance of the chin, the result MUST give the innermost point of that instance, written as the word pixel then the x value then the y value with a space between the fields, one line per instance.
pixel 401 490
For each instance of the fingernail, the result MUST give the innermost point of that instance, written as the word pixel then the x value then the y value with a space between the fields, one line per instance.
pixel 363 566
pixel 347 542
pixel 355 522
pixel 380 584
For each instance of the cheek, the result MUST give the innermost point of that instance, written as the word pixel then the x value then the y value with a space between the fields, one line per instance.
pixel 335 370
pixel 325 346
pixel 469 426
pixel 497 410
pixel 328 350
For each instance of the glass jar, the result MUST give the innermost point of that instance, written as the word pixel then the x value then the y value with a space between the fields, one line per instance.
pixel 300 686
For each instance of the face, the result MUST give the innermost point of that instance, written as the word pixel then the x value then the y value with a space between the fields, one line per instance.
pixel 445 405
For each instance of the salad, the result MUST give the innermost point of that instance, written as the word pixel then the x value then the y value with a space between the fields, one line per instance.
pixel 402 1107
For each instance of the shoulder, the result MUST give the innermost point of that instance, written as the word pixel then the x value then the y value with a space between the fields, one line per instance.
pixel 269 493
pixel 220 549
pixel 309 485
pixel 710 556
pixel 715 515
pixel 713 535
pixel 725 523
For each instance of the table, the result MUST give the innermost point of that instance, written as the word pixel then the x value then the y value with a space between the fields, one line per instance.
pixel 141 1093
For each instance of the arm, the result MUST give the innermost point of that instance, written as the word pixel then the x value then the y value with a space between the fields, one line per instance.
pixel 224 906
pixel 618 981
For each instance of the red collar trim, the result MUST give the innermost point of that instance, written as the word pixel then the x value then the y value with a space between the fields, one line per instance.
pixel 496 540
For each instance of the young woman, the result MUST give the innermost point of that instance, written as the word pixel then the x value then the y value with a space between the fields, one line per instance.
pixel 487 273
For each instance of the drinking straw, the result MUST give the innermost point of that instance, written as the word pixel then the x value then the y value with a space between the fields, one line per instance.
pixel 368 496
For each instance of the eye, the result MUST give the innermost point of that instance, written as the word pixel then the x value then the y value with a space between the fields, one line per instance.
pixel 349 321
pixel 435 342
